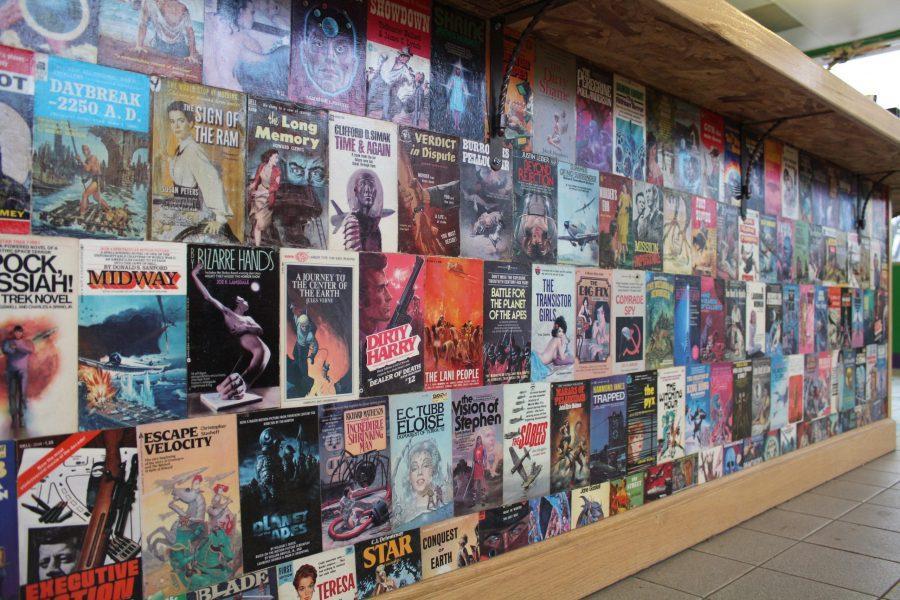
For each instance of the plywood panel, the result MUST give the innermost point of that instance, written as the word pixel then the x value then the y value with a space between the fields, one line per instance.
pixel 584 560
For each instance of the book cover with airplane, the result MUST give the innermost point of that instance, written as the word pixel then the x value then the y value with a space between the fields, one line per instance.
pixel 132 365
pixel 577 237
pixel 526 443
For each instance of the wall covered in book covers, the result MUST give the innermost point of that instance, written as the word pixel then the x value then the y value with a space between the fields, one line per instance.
pixel 272 324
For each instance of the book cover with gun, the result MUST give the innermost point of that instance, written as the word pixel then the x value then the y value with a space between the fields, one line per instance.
pixel 78 513
pixel 391 323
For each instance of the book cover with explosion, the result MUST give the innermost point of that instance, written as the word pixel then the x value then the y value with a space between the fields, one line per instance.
pixel 132 328
pixel 319 292
pixel 38 324
pixel 454 322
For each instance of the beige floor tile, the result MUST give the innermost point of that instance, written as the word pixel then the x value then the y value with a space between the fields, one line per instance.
pixel 785 523
pixel 695 572
pixel 837 567
pixel 879 543
pixel 875 515
pixel 848 490
pixel 894 594
pixel 745 545
pixel 638 589
pixel 811 503
pixel 888 462
pixel 763 584
pixel 871 477
pixel 889 497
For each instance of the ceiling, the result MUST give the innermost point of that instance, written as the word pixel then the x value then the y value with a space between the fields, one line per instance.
pixel 814 24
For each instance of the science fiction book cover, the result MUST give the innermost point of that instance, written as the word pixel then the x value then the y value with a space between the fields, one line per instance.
pixel 864 270
pixel 626 493
pixel 454 323
pixel 790 297
pixel 660 138
pixel 278 467
pixel 287 175
pixel 805 186
pixel 838 381
pixel 362 166
pixel 449 545
pixel 660 320
pixel 578 194
pixel 795 387
pixel 671 408
pixel 552 322
pixel 526 440
pixel 735 320
pixel 591 503
pixel 774 319
pixel 647 226
pixel 756 177
pixel 754 450
pixel 733 457
pixel 457 91
pixel 355 478
pixel 550 516
pixel 709 464
pixel 721 403
pixel 190 504
pixel 132 329
pixel 756 331
pixel 330 574
pixel 388 563
pixel 727 241
pixel 421 449
pixel 615 221
pixel 686 331
pixel 820 310
pixel 790 189
pixel 477 460
pixel 594 119
pixel 677 232
pixel 816 255
pixel 535 228
pixel 768 248
pixel 854 255
pixel 503 529
pixel 778 413
pixel 428 193
pixel 38 320
pixel 554 103
pixel 9 541
pixel 658 482
pixel 742 386
pixel 197 163
pixel 641 420
pixel 816 386
pixel 68 31
pixel 772 156
pixel 507 322
pixel 749 238
pixel 785 259
pixel 712 320
pixel 593 356
pixel 687 151
pixel 261 583
pixel 608 429
pixel 78 515
pixel 832 273
pixel 248 53
pixel 232 328
pixel 398 61
pixel 391 323
pixel 159 40
pixel 697 408
pixel 17 112
pixel 486 203
pixel 319 295
pixel 328 55
pixel 684 473
pixel 570 430
pixel 90 166
pixel 845 328
pixel 520 97
pixel 834 317
pixel 731 164
pixel 712 145
pixel 629 118
pixel 762 396
pixel 801 250
pixel 788 438
pixel 704 219
pixel 628 310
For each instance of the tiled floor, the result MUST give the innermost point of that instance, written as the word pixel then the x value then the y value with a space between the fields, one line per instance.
pixel 839 540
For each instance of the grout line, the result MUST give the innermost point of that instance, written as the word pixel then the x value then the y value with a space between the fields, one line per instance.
pixel 884 595
pixel 841 587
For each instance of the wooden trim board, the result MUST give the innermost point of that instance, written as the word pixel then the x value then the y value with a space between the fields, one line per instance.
pixel 585 560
